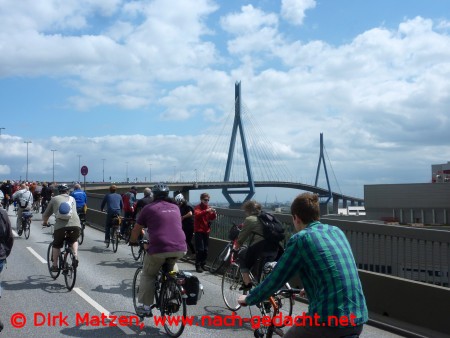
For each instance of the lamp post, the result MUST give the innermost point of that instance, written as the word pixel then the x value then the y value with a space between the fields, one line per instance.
pixel 103 159
pixel 79 167
pixel 26 177
pixel 150 172
pixel 196 177
pixel 126 172
pixel 53 151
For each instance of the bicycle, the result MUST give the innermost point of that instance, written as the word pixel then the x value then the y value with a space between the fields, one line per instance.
pixel 115 232
pixel 225 255
pixel 128 224
pixel 139 252
pixel 36 205
pixel 67 264
pixel 82 217
pixel 170 298
pixel 26 223
pixel 274 305
pixel 232 281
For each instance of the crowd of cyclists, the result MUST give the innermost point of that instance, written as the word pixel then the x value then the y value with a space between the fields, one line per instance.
pixel 318 253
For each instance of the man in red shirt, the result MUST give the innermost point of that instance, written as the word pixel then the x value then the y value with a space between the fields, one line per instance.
pixel 203 215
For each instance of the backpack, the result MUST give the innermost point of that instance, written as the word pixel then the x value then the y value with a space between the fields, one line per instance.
pixel 273 230
pixel 65 209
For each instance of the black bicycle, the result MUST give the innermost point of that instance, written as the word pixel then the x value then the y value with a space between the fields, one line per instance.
pixel 82 217
pixel 170 299
pixel 224 257
pixel 67 263
pixel 115 232
pixel 26 223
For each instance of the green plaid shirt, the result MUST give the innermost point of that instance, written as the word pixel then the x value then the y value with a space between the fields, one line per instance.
pixel 322 257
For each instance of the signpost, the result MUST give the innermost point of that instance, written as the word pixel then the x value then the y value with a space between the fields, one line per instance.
pixel 84 172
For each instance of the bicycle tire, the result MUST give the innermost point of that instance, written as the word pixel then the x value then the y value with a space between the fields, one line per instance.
pixel 173 307
pixel 27 229
pixel 135 287
pixel 220 259
pixel 136 252
pixel 115 241
pixel 54 275
pixel 81 237
pixel 70 272
pixel 231 282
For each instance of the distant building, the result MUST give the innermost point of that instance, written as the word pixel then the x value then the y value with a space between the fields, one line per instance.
pixel 352 210
pixel 426 203
pixel 440 173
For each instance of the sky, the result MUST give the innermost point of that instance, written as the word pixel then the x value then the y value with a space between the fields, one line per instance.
pixel 133 89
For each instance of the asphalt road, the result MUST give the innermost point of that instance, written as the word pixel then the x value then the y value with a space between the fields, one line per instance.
pixel 44 308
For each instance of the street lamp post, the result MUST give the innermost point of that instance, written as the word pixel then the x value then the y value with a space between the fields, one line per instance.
pixel 79 167
pixel 150 172
pixel 53 151
pixel 196 177
pixel 103 159
pixel 26 177
pixel 126 173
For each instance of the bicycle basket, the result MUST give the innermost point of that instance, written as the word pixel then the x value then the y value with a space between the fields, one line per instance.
pixel 234 232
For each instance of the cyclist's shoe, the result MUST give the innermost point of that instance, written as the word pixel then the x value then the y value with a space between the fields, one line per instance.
pixel 142 312
pixel 246 287
pixel 54 269
pixel 20 232
pixel 75 262
pixel 204 267
pixel 198 269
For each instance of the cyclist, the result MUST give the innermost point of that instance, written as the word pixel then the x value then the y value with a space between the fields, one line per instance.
pixel 6 243
pixel 46 194
pixel 80 197
pixel 147 199
pixel 7 189
pixel 252 231
pixel 71 223
pixel 321 256
pixel 24 198
pixel 167 242
pixel 113 201
pixel 129 201
pixel 187 219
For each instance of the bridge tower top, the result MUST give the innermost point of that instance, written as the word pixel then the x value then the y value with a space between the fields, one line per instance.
pixel 237 124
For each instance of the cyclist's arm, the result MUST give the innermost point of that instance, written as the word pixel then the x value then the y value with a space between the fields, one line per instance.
pixel 137 230
pixel 287 266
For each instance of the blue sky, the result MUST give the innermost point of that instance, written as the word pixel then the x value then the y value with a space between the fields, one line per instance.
pixel 149 86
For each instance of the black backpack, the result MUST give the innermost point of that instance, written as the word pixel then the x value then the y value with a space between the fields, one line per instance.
pixel 273 230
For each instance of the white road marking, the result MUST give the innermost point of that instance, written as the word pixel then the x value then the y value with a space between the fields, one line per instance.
pixel 30 249
pixel 101 309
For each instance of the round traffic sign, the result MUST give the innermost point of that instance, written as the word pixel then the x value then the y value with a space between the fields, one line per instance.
pixel 84 170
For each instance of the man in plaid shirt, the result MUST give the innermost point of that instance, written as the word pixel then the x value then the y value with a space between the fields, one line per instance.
pixel 321 256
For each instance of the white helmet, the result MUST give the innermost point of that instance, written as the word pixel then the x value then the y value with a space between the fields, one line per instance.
pixel 179 198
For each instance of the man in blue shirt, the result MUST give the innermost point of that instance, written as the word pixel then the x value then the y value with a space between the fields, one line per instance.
pixel 114 204
pixel 80 197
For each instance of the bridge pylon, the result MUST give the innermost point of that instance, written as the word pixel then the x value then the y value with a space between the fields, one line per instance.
pixel 237 124
pixel 322 159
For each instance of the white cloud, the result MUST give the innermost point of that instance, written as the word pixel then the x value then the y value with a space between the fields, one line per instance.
pixel 294 10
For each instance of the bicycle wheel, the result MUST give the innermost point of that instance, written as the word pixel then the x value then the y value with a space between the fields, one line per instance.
pixel 136 252
pixel 220 259
pixel 27 228
pixel 135 287
pixel 55 274
pixel 231 282
pixel 81 237
pixel 69 270
pixel 115 240
pixel 173 307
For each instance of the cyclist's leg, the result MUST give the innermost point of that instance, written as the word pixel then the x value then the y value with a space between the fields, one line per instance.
pixel 245 267
pixel 58 242
pixel 19 220
pixel 108 225
pixel 73 239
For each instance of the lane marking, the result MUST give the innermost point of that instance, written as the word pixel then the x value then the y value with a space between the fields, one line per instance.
pixel 30 249
pixel 101 309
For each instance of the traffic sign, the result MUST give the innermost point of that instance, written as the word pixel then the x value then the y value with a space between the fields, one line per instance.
pixel 84 170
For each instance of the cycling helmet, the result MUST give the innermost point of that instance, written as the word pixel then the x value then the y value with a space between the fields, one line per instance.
pixel 179 198
pixel 63 187
pixel 160 190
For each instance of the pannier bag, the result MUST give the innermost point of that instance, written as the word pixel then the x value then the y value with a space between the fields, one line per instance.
pixel 192 286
